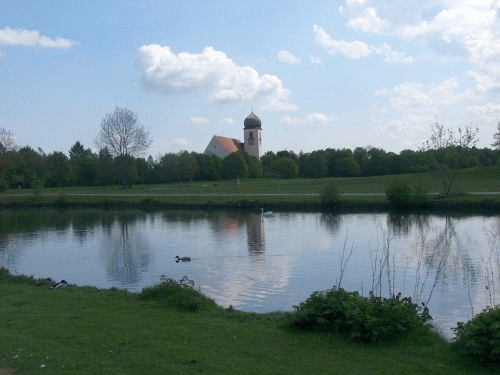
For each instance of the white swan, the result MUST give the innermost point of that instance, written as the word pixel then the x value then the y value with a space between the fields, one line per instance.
pixel 267 213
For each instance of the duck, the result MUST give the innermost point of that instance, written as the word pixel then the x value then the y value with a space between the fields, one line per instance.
pixel 266 213
pixel 61 284
pixel 183 259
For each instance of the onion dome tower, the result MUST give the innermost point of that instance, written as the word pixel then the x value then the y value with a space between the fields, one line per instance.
pixel 252 134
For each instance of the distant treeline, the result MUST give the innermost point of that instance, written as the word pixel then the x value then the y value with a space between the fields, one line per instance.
pixel 29 168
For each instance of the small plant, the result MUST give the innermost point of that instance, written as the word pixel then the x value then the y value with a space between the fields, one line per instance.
pixel 479 338
pixel 366 319
pixel 330 196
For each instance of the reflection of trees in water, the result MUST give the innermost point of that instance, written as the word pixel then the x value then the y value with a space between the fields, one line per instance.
pixel 125 253
pixel 401 223
pixel 331 221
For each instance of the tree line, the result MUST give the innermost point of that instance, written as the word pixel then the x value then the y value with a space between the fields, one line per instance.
pixel 118 160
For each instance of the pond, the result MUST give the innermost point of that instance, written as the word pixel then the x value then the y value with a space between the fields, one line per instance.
pixel 262 264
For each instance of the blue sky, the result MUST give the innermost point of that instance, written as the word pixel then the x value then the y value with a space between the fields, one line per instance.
pixel 319 74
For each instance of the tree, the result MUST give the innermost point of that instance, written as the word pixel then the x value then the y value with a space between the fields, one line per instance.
pixel 287 167
pixel 57 169
pixel 7 140
pixel 496 137
pixel 84 165
pixel 234 166
pixel 452 149
pixel 124 138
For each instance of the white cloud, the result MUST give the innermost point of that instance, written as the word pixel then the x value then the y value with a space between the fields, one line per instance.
pixel 180 142
pixel 487 111
pixel 357 49
pixel 352 3
pixel 369 21
pixel 311 118
pixel 484 82
pixel 169 72
pixel 315 60
pixel 470 24
pixel 32 38
pixel 354 50
pixel 200 121
pixel 228 121
pixel 287 57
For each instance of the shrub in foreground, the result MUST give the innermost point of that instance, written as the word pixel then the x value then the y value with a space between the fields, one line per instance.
pixel 180 295
pixel 366 319
pixel 479 338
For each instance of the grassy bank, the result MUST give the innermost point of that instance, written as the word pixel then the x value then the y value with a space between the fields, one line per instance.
pixel 354 192
pixel 79 330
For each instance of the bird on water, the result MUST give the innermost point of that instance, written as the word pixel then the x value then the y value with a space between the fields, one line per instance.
pixel 183 259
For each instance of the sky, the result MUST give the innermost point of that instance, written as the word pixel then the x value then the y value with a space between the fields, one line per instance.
pixel 319 74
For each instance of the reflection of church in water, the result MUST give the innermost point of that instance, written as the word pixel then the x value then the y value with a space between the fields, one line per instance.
pixel 232 223
pixel 255 234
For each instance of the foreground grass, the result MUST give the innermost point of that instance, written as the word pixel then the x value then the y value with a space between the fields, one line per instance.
pixel 354 190
pixel 89 331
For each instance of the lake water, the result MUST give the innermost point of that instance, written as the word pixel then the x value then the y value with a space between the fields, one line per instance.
pixel 265 264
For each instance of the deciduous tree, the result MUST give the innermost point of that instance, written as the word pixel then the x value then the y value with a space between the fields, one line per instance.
pixel 124 138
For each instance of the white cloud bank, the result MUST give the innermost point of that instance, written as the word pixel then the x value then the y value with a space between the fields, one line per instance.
pixel 356 49
pixel 32 38
pixel 168 72
pixel 311 118
pixel 369 22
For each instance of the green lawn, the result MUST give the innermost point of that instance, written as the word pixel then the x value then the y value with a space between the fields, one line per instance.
pixel 79 330
pixel 263 191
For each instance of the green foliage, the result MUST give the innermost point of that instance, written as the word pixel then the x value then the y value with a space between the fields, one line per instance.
pixel 479 338
pixel 179 295
pixel 234 166
pixel 330 196
pixel 401 194
pixel 287 167
pixel 365 319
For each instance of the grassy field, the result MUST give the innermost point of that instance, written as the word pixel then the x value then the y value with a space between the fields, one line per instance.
pixel 79 330
pixel 264 191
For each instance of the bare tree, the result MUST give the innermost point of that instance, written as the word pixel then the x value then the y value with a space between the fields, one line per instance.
pixel 441 137
pixel 7 140
pixel 496 137
pixel 445 141
pixel 124 138
pixel 122 134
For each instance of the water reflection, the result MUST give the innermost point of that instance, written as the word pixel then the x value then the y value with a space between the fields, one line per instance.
pixel 255 234
pixel 331 221
pixel 125 253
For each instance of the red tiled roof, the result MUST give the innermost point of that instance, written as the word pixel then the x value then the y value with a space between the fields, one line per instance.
pixel 229 144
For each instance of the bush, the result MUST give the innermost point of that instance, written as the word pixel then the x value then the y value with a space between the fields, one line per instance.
pixel 401 194
pixel 366 319
pixel 180 295
pixel 330 196
pixel 479 338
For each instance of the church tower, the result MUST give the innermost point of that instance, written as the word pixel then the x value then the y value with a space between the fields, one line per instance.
pixel 252 140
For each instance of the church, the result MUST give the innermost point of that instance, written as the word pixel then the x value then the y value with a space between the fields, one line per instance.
pixel 222 146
